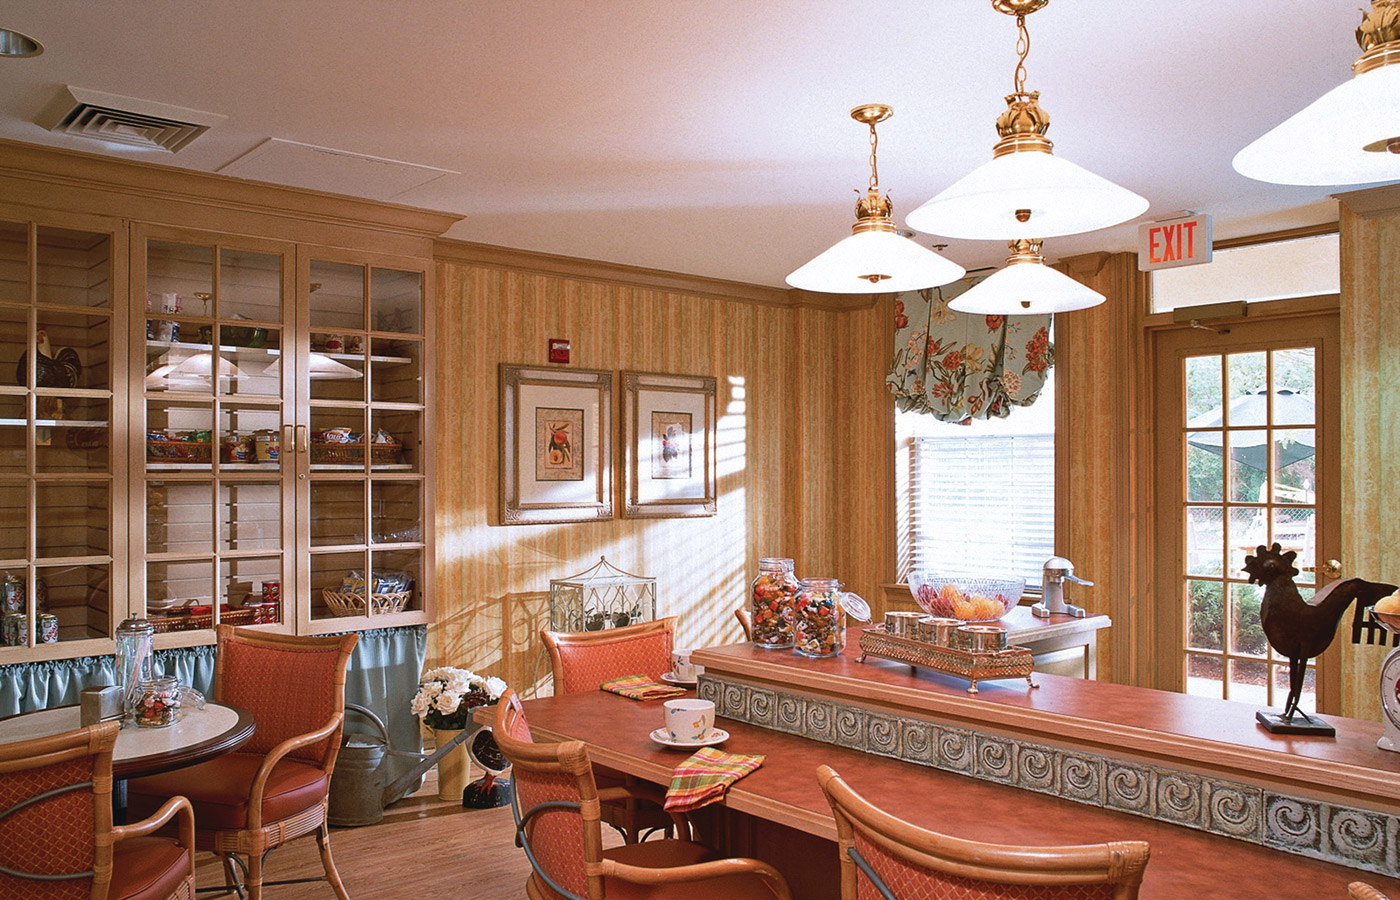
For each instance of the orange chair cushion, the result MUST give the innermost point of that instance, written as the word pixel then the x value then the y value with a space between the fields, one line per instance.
pixel 668 854
pixel 218 790
pixel 147 868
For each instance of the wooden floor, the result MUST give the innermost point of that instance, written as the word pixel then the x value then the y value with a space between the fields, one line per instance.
pixel 424 849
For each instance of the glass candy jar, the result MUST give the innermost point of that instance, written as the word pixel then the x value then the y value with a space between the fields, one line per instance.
pixel 135 658
pixel 770 603
pixel 161 701
pixel 819 614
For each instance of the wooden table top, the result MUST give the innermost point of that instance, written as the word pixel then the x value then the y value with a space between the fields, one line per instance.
pixel 1185 862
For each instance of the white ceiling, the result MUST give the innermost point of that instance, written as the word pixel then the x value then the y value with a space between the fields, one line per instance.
pixel 707 137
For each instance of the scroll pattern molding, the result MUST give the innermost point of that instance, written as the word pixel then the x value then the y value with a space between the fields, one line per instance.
pixel 1345 835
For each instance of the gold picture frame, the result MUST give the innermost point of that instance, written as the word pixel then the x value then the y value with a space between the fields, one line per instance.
pixel 668 445
pixel 555 445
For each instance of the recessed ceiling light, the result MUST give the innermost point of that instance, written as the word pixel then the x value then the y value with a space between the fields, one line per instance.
pixel 14 44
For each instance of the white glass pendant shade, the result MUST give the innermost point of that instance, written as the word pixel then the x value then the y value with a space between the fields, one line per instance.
pixel 323 368
pixel 1062 198
pixel 202 365
pixel 1026 289
pixel 1325 143
pixel 875 262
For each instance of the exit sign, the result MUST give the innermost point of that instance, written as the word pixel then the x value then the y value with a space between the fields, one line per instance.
pixel 1175 242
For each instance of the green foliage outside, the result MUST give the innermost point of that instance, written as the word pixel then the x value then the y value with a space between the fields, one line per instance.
pixel 1207 619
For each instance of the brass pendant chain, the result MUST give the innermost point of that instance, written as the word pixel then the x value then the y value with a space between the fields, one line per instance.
pixel 874 170
pixel 1023 48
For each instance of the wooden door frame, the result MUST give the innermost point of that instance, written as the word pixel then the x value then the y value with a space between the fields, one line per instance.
pixel 1161 481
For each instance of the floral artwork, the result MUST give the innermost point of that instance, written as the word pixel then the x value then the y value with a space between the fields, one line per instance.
pixel 670 451
pixel 558 444
pixel 960 367
pixel 447 695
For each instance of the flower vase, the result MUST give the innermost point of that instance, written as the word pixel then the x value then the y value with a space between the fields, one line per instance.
pixel 452 768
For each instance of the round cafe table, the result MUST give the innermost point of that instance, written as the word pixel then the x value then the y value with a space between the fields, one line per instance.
pixel 202 734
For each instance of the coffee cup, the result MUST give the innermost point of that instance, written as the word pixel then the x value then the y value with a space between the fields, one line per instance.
pixel 689 720
pixel 681 667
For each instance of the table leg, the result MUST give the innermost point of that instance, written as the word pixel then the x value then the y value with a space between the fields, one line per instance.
pixel 118 801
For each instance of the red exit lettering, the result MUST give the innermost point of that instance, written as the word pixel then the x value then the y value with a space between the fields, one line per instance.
pixel 1167 243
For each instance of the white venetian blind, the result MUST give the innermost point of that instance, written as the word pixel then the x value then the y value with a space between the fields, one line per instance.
pixel 983 505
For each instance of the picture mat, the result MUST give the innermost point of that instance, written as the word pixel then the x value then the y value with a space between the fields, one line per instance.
pixel 533 493
pixel 653 490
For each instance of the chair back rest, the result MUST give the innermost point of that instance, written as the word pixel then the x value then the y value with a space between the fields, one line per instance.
pixel 745 622
pixel 883 856
pixel 291 685
pixel 560 841
pixel 56 814
pixel 1360 890
pixel 584 660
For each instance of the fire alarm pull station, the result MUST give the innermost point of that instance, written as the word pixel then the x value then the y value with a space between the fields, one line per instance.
pixel 558 350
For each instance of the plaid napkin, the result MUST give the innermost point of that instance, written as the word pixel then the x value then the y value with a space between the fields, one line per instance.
pixel 640 687
pixel 703 778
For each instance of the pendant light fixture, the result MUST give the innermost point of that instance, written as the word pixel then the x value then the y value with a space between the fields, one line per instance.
pixel 1026 287
pixel 1351 134
pixel 875 258
pixel 1025 191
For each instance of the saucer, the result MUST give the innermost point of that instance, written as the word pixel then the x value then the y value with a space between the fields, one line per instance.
pixel 672 678
pixel 716 736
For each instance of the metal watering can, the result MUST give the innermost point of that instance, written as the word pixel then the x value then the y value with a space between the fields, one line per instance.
pixel 360 785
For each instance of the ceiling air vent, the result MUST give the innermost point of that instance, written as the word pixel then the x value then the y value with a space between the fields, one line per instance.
pixel 124 120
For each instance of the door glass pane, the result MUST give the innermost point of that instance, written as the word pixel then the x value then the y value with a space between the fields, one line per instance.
pixel 1249 465
pixel 250 287
pixel 250 360
pixel 250 437
pixel 1248 530
pixel 72 434
pixel 396 577
pixel 1294 386
pixel 1307 700
pixel 14 521
pixel 1205 611
pixel 396 512
pixel 396 440
pixel 1295 529
pixel 74 351
pixel 14 346
pixel 1246 632
pixel 14 262
pixel 1205 466
pixel 396 300
pixel 177 592
pixel 397 375
pixel 1205 676
pixel 179 436
pixel 337 366
pixel 1249 681
pixel 1205 541
pixel 73 519
pixel 250 515
pixel 75 267
pixel 250 591
pixel 75 602
pixel 175 273
pixel 337 439
pixel 1203 391
pixel 1295 465
pixel 342 575
pixel 1248 385
pixel 337 513
pixel 179 517
pixel 337 296
pixel 14 436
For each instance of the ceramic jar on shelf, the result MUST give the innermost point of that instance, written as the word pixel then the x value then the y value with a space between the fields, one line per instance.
pixel 770 603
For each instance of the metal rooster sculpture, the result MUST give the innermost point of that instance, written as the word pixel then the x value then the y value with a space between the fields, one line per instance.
pixel 60 370
pixel 1301 630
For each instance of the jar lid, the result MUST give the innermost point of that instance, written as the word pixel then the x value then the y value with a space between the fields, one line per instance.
pixel 135 626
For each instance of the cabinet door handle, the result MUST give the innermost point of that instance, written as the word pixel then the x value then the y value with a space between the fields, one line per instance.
pixel 287 446
pixel 303 439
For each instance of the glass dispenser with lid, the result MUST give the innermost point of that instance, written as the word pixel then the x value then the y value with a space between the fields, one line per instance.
pixel 135 658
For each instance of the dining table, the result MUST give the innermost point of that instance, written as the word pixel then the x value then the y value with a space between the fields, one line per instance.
pixel 779 813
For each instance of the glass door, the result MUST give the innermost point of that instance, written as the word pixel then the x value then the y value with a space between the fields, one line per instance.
pixel 365 467
pixel 61 326
pixel 1247 455
pixel 217 395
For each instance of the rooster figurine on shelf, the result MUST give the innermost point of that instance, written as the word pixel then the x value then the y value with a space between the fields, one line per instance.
pixel 1300 630
pixel 51 370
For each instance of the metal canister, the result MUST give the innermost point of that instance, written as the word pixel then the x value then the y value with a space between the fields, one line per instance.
pixel 983 638
pixel 267 446
pixel 945 631
pixel 901 624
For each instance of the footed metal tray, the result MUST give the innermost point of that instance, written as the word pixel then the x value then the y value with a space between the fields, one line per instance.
pixel 1013 662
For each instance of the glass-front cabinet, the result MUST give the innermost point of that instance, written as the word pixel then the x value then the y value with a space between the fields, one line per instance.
pixel 62 412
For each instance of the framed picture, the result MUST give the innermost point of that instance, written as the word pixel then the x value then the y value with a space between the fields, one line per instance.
pixel 668 445
pixel 556 445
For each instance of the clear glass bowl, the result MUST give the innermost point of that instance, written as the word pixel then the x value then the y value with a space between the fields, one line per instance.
pixel 965 597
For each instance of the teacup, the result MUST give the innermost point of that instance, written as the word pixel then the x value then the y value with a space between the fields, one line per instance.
pixel 681 667
pixel 689 720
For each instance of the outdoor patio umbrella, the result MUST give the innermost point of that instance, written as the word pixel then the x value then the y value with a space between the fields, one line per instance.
pixel 1252 447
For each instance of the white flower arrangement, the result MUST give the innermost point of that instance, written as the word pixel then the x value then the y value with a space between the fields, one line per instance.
pixel 446 696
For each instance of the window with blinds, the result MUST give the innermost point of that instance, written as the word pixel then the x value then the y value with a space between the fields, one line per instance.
pixel 983 504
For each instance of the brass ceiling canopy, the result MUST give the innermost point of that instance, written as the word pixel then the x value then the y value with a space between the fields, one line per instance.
pixel 1379 39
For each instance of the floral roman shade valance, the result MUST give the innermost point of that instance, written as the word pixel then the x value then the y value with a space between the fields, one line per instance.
pixel 960 367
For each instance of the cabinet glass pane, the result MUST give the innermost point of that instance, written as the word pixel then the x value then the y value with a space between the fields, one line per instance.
pixel 398 434
pixel 337 296
pixel 73 434
pixel 250 286
pixel 14 262
pixel 75 267
pixel 75 351
pixel 176 360
pixel 337 439
pixel 78 597
pixel 14 346
pixel 397 370
pixel 178 436
pixel 396 571
pixel 14 521
pixel 396 300
pixel 337 573
pixel 175 274
pixel 250 361
pixel 250 515
pixel 175 590
pixel 337 367
pixel 251 591
pixel 179 517
pixel 74 519
pixel 250 437
pixel 396 512
pixel 337 513
pixel 14 439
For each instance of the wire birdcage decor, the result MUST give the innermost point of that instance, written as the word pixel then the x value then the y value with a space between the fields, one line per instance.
pixel 601 597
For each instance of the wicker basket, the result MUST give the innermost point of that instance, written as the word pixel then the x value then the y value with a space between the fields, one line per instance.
pixel 165 624
pixel 347 604
pixel 179 451
pixel 329 453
